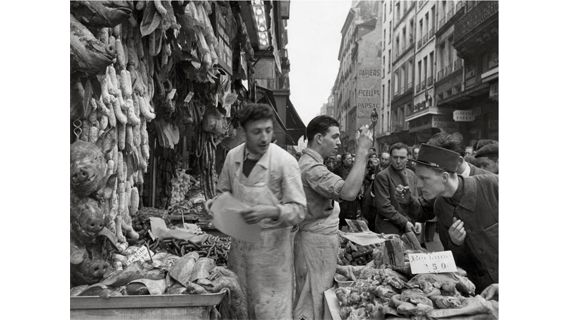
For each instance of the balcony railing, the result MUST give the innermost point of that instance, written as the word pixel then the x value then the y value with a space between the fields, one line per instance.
pixel 419 42
pixel 425 38
pixel 442 21
pixel 448 69
pixel 473 79
pixel 457 64
pixel 430 33
pixel 397 127
pixel 423 84
pixel 410 85
pixel 430 81
pixel 419 87
pixel 481 12
pixel 439 75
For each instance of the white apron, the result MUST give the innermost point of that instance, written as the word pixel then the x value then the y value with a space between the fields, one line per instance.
pixel 264 269
pixel 316 250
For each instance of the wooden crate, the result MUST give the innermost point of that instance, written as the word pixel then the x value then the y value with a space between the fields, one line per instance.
pixel 332 307
pixel 164 307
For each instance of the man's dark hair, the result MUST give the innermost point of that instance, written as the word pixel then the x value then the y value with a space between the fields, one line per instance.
pixel 345 155
pixel 453 142
pixel 483 142
pixel 320 124
pixel 398 146
pixel 255 111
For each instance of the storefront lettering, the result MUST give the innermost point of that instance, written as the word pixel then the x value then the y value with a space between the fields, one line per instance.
pixel 370 73
pixel 368 92
pixel 365 105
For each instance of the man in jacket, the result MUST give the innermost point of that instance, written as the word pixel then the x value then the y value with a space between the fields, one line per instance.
pixel 316 244
pixel 467 211
pixel 395 194
pixel 453 142
pixel 488 156
pixel 384 160
pixel 268 178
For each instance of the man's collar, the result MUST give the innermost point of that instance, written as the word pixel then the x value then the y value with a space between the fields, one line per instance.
pixel 263 161
pixel 466 193
pixel 467 170
pixel 250 155
pixel 314 154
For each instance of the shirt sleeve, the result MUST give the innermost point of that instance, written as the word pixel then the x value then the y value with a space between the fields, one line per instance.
pixel 293 204
pixel 324 182
pixel 383 202
pixel 224 179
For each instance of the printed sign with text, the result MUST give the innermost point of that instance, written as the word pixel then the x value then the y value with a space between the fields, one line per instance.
pixel 432 262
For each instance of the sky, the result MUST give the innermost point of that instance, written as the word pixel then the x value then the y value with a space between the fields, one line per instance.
pixel 314 38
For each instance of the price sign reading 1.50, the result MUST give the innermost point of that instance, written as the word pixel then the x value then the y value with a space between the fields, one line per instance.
pixel 434 262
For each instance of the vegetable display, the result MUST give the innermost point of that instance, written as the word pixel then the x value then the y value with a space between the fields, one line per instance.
pixel 136 67
pixel 381 293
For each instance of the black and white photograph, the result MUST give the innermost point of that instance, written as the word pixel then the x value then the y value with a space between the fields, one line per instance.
pixel 289 159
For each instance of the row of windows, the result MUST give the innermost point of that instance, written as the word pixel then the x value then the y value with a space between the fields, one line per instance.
pixel 427 24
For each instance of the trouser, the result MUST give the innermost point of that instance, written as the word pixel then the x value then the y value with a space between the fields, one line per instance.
pixel 315 266
pixel 265 273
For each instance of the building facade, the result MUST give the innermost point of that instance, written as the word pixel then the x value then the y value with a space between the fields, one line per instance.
pixel 438 66
pixel 386 25
pixel 423 113
pixel 327 108
pixel 403 59
pixel 475 38
pixel 357 87
pixel 266 24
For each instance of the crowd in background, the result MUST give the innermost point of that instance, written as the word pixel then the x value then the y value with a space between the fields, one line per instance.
pixel 432 192
pixel 483 154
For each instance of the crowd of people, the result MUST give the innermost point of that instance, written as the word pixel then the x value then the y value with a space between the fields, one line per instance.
pixel 441 190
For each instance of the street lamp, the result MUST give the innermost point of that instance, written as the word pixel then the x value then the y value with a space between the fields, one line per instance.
pixel 374 118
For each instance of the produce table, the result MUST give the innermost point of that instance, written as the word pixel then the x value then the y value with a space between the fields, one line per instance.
pixel 165 307
pixel 374 280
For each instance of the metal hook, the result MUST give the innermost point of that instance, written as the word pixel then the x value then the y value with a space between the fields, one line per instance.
pixel 77 128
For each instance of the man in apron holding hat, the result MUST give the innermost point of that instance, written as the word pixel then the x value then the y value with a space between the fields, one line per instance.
pixel 316 244
pixel 467 209
pixel 268 178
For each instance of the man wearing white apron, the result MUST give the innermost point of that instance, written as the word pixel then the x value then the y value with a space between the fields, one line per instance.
pixel 316 243
pixel 268 178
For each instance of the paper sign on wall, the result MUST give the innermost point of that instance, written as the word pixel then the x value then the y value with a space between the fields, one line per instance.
pixel 432 262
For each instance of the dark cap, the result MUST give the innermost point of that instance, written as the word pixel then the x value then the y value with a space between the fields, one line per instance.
pixel 436 157
pixel 488 150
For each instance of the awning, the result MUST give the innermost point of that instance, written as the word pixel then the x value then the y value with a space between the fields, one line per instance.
pixel 427 111
pixel 295 126
pixel 292 127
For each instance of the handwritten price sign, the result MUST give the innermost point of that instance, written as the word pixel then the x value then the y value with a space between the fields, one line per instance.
pixel 141 254
pixel 433 262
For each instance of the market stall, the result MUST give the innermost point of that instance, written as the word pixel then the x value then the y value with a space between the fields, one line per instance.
pixel 154 94
pixel 377 277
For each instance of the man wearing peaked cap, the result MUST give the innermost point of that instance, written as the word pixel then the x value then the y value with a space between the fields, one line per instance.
pixel 467 209
pixel 488 157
